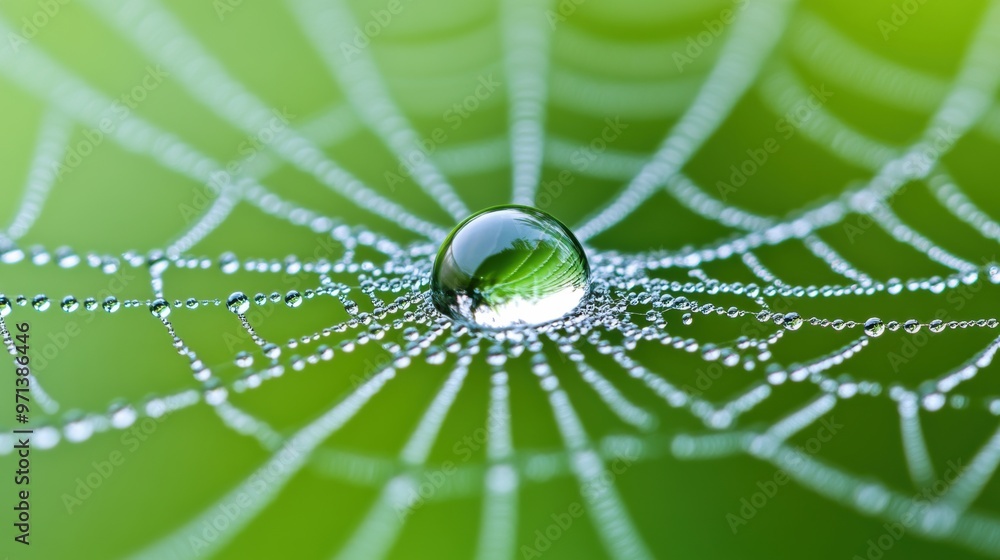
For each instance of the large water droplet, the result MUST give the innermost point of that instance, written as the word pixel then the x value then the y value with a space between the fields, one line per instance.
pixel 509 265
pixel 238 303
pixel 111 304
pixel 160 308
pixel 40 302
pixel 874 327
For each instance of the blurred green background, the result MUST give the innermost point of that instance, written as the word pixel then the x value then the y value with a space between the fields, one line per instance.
pixel 609 60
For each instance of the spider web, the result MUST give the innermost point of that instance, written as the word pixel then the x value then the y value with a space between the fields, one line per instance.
pixel 382 283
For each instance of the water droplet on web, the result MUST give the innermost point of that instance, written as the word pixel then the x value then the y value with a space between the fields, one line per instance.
pixel 228 263
pixel 66 258
pixel 160 308
pixel 5 307
pixel 123 415
pixel 238 302
pixel 993 270
pixel 214 392
pixel 293 299
pixel 271 350
pixel 69 304
pixel 509 265
pixel 243 359
pixel 157 263
pixel 11 255
pixel 40 302
pixel 874 327
pixel 793 321
pixel 110 304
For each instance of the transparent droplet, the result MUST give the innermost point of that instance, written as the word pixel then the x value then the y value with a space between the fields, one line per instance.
pixel 40 302
pixel 110 304
pixel 66 258
pixel 238 302
pixel 122 415
pixel 243 359
pixel 159 308
pixel 69 304
pixel 793 321
pixel 228 263
pixel 11 255
pixel 5 307
pixel 158 263
pixel 293 299
pixel 874 327
pixel 271 350
pixel 509 265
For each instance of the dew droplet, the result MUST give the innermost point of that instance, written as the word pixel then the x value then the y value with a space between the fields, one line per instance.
pixel 793 321
pixel 228 263
pixel 271 350
pixel 912 326
pixel 159 308
pixel 238 302
pixel 874 327
pixel 243 359
pixel 69 304
pixel 293 298
pixel 40 302
pixel 509 265
pixel 66 258
pixel 110 304
pixel 5 306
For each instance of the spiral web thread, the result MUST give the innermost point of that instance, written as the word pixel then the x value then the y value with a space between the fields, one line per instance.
pixel 625 285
